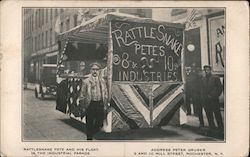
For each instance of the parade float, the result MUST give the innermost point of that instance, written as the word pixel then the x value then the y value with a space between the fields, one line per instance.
pixel 142 61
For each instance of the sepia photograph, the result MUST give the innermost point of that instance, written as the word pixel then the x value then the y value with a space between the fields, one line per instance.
pixel 124 74
pixel 124 78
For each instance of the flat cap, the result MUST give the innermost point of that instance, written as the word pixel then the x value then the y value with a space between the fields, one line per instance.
pixel 95 63
pixel 207 67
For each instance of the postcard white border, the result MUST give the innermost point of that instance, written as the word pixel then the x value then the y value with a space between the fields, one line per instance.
pixel 237 81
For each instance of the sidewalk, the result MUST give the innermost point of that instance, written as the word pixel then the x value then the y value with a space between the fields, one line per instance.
pixel 189 132
pixel 164 133
pixel 193 124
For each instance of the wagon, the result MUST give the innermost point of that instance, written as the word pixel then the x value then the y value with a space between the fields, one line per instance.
pixel 142 63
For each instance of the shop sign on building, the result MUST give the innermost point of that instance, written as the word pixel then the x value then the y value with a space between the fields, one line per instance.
pixel 216 28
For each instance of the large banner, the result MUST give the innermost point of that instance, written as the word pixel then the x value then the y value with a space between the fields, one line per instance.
pixel 145 52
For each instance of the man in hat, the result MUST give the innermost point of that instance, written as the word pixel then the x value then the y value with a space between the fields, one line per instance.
pixel 212 89
pixel 94 96
pixel 193 92
pixel 188 89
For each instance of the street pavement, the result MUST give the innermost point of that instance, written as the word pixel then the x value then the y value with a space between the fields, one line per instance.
pixel 42 122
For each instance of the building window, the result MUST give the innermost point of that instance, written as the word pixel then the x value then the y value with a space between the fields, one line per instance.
pixel 61 11
pixel 56 12
pixel 32 22
pixel 26 28
pixel 50 40
pixel 140 13
pixel 30 25
pixel 39 21
pixel 55 37
pixel 30 49
pixel 46 39
pixel 67 24
pixel 46 18
pixel 51 14
pixel 61 27
pixel 36 22
pixel 42 40
pixel 37 46
pixel 75 20
pixel 32 44
pixel 23 28
pixel 37 42
pixel 28 31
pixel 42 16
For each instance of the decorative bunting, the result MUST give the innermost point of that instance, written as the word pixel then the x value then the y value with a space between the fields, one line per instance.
pixel 59 63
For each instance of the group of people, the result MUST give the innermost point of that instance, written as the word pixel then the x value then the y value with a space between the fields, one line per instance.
pixel 203 91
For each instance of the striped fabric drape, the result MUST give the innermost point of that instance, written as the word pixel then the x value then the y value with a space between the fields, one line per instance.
pixel 131 103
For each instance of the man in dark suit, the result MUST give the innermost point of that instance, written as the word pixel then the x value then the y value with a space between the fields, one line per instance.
pixel 193 92
pixel 197 95
pixel 212 88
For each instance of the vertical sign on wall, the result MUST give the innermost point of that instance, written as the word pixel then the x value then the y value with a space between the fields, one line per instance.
pixel 216 28
pixel 144 52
